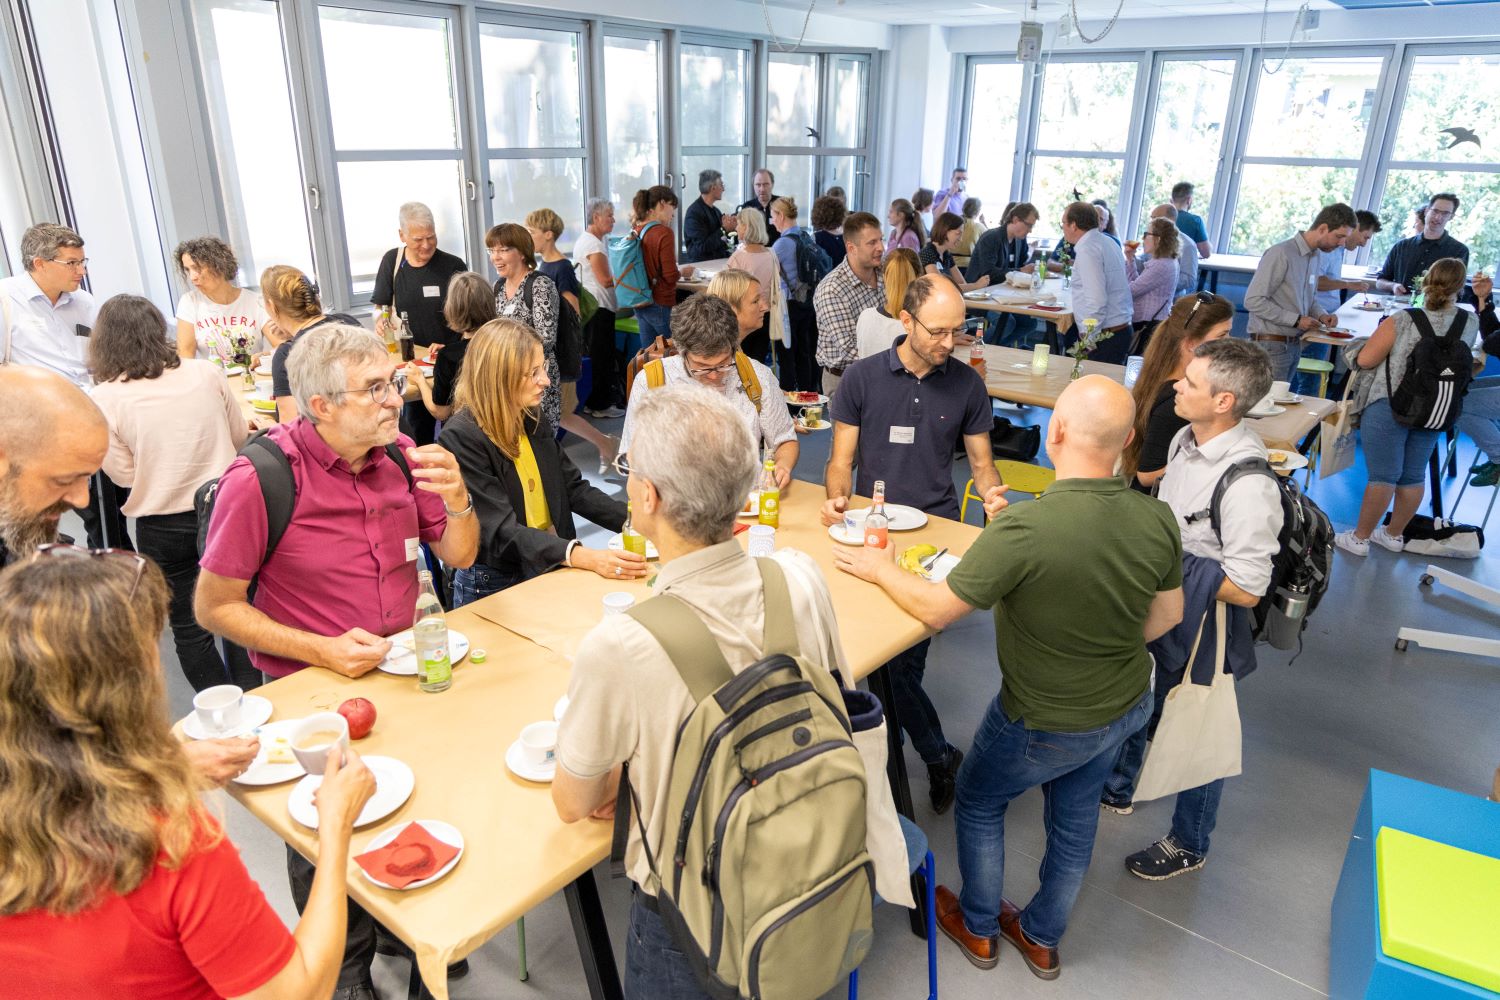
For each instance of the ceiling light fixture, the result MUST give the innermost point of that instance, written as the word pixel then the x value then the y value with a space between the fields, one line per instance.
pixel 1078 25
pixel 766 12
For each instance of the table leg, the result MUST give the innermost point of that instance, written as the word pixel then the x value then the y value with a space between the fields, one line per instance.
pixel 1213 280
pixel 415 988
pixel 1435 477
pixel 592 934
pixel 895 766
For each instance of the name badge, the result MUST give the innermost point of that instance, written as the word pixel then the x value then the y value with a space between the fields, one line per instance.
pixel 413 547
pixel 432 291
pixel 903 435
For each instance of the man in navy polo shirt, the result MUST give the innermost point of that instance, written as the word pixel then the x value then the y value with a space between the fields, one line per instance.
pixel 897 416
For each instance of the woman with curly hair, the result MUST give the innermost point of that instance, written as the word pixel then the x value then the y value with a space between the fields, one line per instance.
pixel 215 314
pixel 115 878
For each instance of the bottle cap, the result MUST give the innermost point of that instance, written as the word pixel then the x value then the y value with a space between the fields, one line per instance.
pixel 477 656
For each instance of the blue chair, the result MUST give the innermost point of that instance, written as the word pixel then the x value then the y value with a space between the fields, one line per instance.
pixel 920 858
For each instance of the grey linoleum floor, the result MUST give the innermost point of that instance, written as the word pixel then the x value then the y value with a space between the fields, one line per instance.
pixel 1254 922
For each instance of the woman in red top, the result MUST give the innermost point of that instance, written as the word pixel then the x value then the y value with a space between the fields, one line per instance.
pixel 115 880
pixel 659 253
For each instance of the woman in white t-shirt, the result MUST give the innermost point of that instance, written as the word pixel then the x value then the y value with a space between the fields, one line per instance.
pixel 878 327
pixel 215 317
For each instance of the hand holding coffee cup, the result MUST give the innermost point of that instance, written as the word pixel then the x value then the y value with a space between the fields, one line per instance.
pixel 347 785
pixel 316 736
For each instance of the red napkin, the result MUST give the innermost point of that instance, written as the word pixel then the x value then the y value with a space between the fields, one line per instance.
pixel 415 854
pixel 1049 308
pixel 740 526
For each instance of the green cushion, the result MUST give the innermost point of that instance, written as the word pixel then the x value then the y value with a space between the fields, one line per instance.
pixel 1314 365
pixel 627 324
pixel 1437 906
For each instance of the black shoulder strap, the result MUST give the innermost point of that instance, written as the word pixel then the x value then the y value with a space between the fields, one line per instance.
pixel 1252 466
pixel 394 451
pixel 278 487
pixel 1421 322
pixel 1456 328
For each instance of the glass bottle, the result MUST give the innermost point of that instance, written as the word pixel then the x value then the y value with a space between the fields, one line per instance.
pixel 877 525
pixel 434 669
pixel 630 539
pixel 770 495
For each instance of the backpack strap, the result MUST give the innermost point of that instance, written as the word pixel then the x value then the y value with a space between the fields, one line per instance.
pixel 656 374
pixel 1252 466
pixel 748 378
pixel 780 627
pixel 687 642
pixel 393 450
pixel 278 487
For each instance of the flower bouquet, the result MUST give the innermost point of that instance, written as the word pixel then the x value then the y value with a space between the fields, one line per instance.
pixel 237 347
pixel 1091 338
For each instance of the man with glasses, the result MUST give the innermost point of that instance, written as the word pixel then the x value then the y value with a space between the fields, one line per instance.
pixel 706 335
pixel 344 574
pixel 46 316
pixel 998 252
pixel 1410 258
pixel 703 226
pixel 897 417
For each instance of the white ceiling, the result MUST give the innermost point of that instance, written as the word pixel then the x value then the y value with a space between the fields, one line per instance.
pixel 1094 13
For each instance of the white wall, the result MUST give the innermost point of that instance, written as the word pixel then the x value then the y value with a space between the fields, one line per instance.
pixel 917 116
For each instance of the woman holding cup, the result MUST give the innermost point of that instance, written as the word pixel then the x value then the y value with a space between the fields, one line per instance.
pixel 115 872
pixel 525 488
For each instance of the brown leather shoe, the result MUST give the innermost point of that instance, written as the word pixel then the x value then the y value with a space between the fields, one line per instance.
pixel 1042 961
pixel 982 951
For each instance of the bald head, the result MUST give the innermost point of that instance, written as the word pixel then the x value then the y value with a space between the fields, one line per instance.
pixel 1165 211
pixel 40 408
pixel 1090 424
pixel 52 439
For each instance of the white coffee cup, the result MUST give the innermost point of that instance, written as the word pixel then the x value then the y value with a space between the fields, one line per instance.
pixel 1266 402
pixel 1281 390
pixel 617 602
pixel 218 708
pixel 762 540
pixel 539 743
pixel 314 755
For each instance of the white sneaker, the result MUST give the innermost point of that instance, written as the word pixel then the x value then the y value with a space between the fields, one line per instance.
pixel 1387 541
pixel 1352 543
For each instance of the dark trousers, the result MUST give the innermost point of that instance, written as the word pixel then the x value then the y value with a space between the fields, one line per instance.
pixel 809 376
pixel 1012 330
pixel 103 523
pixel 655 967
pixel 171 541
pixel 606 361
pixel 918 715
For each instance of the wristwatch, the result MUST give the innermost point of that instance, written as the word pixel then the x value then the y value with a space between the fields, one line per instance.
pixel 468 511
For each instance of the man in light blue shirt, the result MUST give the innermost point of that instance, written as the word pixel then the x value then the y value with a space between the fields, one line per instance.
pixel 1101 290
pixel 47 318
pixel 1331 264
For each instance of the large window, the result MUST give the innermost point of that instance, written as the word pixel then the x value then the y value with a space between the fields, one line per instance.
pixel 534 123
pixel 632 102
pixel 1305 140
pixel 817 127
pixel 255 138
pixel 1447 91
pixel 391 85
pixel 1082 134
pixel 990 146
pixel 1187 131
pixel 715 122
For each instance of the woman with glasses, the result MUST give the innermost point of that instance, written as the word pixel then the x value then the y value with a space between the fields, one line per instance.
pixel 174 424
pixel 1193 320
pixel 115 876
pixel 1152 282
pixel 524 486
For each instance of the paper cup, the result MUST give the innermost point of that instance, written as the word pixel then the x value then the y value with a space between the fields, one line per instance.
pixel 762 540
pixel 313 754
pixel 1133 365
pixel 618 602
pixel 539 743
pixel 218 708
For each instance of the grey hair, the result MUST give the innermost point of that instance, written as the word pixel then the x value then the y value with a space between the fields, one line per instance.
pixel 754 221
pixel 1238 367
pixel 595 207
pixel 44 240
pixel 705 326
pixel 676 428
pixel 318 364
pixel 707 179
pixel 414 213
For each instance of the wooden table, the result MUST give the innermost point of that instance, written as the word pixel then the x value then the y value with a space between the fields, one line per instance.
pixel 1003 298
pixel 699 283
pixel 1235 263
pixel 517 852
pixel 262 419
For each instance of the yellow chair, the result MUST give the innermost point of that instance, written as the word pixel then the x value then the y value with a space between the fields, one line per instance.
pixel 1021 477
pixel 1317 366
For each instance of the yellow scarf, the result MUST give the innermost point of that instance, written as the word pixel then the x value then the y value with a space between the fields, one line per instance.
pixel 537 514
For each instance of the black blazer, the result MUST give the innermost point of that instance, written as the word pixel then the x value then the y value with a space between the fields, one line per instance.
pixel 505 542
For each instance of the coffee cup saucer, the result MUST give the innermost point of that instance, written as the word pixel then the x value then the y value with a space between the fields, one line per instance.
pixel 254 712
pixel 515 759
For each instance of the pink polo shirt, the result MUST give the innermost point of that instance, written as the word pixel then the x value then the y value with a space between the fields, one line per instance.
pixel 347 560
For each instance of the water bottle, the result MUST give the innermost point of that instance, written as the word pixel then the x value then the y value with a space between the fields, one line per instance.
pixel 630 539
pixel 434 669
pixel 877 525
pixel 770 495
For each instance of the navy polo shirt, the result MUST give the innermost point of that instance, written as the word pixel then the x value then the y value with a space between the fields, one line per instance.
pixel 909 427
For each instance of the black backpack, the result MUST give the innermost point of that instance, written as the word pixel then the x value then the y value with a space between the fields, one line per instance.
pixel 1438 372
pixel 1301 567
pixel 813 265
pixel 569 346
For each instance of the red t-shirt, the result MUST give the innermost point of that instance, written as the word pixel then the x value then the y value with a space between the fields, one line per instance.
pixel 201 931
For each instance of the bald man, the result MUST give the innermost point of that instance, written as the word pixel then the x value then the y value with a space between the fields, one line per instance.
pixel 1079 581
pixel 52 439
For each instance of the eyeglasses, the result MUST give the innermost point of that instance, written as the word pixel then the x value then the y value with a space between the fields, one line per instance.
pixel 63 551
pixel 723 369
pixel 82 263
pixel 622 465
pixel 537 374
pixel 378 392
pixel 954 332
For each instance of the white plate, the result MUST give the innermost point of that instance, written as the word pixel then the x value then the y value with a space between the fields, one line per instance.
pixel 753 504
pixel 253 714
pixel 402 659
pixel 822 400
pixel 559 708
pixel 821 425
pixel 902 517
pixel 261 772
pixel 942 567
pixel 1268 412
pixel 1294 461
pixel 446 832
pixel 393 784
pixel 518 766
pixel 836 532
pixel 617 544
pixel 1291 399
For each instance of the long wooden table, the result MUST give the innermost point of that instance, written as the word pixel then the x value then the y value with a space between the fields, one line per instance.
pixel 1003 298
pixel 517 852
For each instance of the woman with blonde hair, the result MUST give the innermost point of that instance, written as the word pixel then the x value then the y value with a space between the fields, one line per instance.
pixel 878 327
pixel 1395 454
pixel 291 301
pixel 525 488
pixel 754 256
pixel 115 879
pixel 470 304
pixel 1193 320
pixel 742 290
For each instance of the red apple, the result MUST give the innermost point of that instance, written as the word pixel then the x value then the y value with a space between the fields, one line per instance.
pixel 360 713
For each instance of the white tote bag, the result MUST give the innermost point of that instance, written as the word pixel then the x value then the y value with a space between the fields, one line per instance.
pixel 1198 737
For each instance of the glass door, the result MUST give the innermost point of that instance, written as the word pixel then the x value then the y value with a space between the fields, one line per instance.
pixel 633 119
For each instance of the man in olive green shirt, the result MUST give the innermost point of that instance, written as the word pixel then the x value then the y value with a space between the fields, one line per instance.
pixel 1079 581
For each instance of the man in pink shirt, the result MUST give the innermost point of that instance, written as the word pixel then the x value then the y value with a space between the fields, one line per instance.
pixel 344 575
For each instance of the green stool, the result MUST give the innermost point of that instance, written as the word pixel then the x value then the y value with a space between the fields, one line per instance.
pixel 1432 899
pixel 1316 366
pixel 627 324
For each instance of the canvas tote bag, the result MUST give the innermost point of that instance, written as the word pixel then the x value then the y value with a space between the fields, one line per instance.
pixel 1198 737
pixel 1336 444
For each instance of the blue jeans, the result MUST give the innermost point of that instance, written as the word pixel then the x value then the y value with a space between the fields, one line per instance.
pixel 1011 330
pixel 918 716
pixel 478 581
pixel 1197 809
pixel 653 321
pixel 1481 416
pixel 1284 357
pixel 655 968
pixel 1394 455
pixel 1007 759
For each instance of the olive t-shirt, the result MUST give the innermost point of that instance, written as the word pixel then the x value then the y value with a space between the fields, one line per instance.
pixel 1071 577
